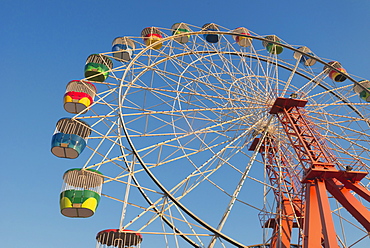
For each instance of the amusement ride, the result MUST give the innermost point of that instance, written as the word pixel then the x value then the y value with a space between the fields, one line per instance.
pixel 216 137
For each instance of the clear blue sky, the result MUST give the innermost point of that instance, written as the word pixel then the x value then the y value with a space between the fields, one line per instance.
pixel 44 45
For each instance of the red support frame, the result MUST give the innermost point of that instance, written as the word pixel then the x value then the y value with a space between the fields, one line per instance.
pixel 321 176
pixel 288 197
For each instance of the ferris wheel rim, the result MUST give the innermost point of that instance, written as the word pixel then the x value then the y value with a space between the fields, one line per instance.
pixel 124 88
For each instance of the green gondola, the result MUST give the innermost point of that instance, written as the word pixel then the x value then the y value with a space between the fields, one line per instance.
pixel 272 47
pixel 81 192
pixel 97 67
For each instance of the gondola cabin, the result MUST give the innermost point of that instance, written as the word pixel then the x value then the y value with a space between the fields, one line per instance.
pixel 118 238
pixel 337 76
pixel 79 96
pixel 211 38
pixel 123 49
pixel 97 67
pixel 181 28
pixel 69 138
pixel 80 193
pixel 303 58
pixel 364 95
pixel 242 41
pixel 272 47
pixel 151 35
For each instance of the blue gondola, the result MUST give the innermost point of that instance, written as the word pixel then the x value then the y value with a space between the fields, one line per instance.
pixel 211 38
pixel 69 138
pixel 123 48
pixel 304 59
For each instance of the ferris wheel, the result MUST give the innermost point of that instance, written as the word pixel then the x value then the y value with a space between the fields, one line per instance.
pixel 211 137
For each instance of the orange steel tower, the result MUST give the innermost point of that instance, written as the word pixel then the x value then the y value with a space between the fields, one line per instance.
pixel 320 176
pixel 287 191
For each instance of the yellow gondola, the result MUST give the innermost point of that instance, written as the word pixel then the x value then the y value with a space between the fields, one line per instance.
pixel 242 41
pixel 151 35
pixel 79 96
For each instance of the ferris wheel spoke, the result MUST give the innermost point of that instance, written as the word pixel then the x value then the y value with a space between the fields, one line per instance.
pixel 292 73
pixel 168 207
pixel 237 190
pixel 194 132
pixel 192 93
pixel 354 158
pixel 312 84
pixel 204 72
pixel 248 71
